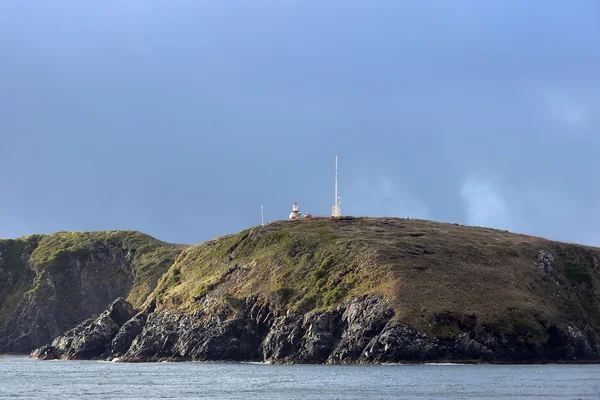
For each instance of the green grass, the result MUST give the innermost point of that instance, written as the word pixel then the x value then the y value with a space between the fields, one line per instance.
pixel 14 254
pixel 425 269
pixel 57 252
pixel 578 274
pixel 279 257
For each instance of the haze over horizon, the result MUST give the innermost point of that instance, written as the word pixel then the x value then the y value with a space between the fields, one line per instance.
pixel 180 118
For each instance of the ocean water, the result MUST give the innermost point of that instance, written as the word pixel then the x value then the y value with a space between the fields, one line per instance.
pixel 23 378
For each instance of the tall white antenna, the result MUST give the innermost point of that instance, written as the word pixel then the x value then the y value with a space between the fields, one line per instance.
pixel 336 175
pixel 262 215
pixel 336 210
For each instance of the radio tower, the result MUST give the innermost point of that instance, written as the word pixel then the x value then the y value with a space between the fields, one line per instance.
pixel 336 211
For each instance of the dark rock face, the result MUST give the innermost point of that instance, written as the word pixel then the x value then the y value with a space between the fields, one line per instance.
pixel 46 352
pixel 67 293
pixel 284 338
pixel 128 332
pixel 361 321
pixel 169 334
pixel 92 338
pixel 362 330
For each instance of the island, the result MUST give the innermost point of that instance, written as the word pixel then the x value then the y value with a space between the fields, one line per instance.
pixel 317 290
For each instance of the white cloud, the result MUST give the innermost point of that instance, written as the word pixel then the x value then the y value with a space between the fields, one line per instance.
pixel 485 205
pixel 379 194
pixel 567 109
pixel 532 210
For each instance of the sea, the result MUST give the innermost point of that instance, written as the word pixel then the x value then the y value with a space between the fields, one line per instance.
pixel 25 378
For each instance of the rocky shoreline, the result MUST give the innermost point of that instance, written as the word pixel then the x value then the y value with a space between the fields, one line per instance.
pixel 361 330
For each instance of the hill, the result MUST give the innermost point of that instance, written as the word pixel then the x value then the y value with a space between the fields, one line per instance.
pixel 359 290
pixel 50 283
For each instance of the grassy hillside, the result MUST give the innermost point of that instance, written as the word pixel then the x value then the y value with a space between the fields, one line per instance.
pixel 15 277
pixel 150 257
pixel 437 276
pixel 49 283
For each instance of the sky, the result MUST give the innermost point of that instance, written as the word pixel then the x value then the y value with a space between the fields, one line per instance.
pixel 181 118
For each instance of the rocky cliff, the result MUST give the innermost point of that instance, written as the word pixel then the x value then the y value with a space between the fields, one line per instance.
pixel 358 290
pixel 362 330
pixel 51 283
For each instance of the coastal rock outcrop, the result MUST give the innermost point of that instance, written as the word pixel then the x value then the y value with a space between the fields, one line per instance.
pixel 361 330
pixel 90 339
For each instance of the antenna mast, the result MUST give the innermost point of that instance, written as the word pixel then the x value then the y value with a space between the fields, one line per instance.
pixel 336 175
pixel 262 215
pixel 336 210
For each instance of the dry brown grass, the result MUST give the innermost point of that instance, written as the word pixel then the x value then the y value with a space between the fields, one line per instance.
pixel 426 269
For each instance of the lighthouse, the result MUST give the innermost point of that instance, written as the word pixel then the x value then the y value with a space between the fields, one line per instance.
pixel 294 213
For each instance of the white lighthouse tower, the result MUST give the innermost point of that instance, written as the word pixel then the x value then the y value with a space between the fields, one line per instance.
pixel 336 210
pixel 294 213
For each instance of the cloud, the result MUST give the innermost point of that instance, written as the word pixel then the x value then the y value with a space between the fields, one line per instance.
pixel 567 109
pixel 484 204
pixel 381 194
pixel 543 211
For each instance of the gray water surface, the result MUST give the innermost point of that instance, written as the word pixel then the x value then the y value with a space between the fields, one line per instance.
pixel 23 378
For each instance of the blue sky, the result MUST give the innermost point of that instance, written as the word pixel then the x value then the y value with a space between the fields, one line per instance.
pixel 180 118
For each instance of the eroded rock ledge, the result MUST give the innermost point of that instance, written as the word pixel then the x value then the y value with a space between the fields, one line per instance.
pixel 361 330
